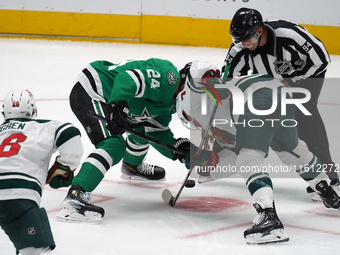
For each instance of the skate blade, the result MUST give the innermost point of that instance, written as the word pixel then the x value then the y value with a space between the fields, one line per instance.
pixel 73 216
pixel 275 236
pixel 205 179
pixel 315 197
pixel 139 179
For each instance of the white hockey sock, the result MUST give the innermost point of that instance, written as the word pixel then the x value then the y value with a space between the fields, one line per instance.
pixel 35 251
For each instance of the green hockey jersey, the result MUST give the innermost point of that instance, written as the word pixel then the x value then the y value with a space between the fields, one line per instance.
pixel 148 86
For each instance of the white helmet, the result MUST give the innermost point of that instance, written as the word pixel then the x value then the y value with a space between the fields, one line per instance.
pixel 183 107
pixel 19 104
pixel 193 88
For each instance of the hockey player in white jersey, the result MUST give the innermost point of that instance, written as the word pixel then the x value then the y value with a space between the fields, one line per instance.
pixel 252 143
pixel 26 147
pixel 189 100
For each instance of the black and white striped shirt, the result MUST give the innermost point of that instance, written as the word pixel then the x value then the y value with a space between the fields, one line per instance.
pixel 291 53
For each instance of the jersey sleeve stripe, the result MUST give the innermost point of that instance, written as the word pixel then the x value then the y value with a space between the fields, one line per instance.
pixel 65 133
pixel 91 79
pixel 139 80
pixel 96 80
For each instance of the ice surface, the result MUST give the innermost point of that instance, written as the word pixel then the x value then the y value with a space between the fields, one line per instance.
pixel 207 219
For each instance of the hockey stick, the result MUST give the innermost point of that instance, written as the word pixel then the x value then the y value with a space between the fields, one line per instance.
pixel 131 131
pixel 166 194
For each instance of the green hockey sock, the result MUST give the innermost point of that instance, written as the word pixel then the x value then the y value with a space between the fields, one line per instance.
pixel 88 177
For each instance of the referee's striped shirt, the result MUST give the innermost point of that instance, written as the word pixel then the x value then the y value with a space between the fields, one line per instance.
pixel 291 53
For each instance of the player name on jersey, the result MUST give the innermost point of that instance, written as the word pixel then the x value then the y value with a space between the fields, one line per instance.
pixel 12 125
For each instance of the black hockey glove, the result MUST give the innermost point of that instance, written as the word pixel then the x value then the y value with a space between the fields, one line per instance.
pixel 59 176
pixel 206 158
pixel 183 145
pixel 118 118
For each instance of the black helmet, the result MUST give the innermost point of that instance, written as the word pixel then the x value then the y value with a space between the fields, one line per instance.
pixel 183 73
pixel 244 24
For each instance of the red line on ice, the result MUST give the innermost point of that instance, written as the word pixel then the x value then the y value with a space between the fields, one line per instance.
pixel 249 224
pixel 217 230
pixel 313 229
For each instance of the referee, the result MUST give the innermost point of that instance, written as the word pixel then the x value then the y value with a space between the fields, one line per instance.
pixel 289 53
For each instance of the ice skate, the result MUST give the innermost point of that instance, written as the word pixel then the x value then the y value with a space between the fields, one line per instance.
pixel 267 228
pixel 335 184
pixel 329 194
pixel 314 196
pixel 206 178
pixel 76 207
pixel 142 172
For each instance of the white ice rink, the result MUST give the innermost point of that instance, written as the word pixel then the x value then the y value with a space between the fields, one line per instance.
pixel 209 218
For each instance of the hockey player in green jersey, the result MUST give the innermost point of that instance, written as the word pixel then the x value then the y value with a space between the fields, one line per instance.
pixel 26 148
pixel 130 92
pixel 253 140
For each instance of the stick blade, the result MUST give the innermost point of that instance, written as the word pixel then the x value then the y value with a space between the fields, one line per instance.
pixel 168 197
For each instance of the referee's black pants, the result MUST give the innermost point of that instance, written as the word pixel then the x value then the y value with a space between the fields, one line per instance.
pixel 311 128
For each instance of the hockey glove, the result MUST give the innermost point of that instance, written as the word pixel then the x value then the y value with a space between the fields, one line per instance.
pixel 59 176
pixel 206 158
pixel 184 145
pixel 118 118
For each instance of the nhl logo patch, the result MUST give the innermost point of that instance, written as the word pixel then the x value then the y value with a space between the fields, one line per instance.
pixel 283 67
pixel 172 78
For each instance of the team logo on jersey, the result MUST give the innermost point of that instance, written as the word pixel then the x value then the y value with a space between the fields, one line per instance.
pixel 172 78
pixel 145 116
pixel 223 135
pixel 283 67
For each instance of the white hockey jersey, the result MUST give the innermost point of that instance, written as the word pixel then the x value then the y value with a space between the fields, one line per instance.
pixel 201 112
pixel 26 148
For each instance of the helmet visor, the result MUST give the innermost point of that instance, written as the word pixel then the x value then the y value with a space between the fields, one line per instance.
pixel 246 43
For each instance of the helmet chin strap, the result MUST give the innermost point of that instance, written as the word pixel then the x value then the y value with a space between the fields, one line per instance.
pixel 259 40
pixel 260 37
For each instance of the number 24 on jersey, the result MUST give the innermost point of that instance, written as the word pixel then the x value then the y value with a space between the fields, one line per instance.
pixel 153 75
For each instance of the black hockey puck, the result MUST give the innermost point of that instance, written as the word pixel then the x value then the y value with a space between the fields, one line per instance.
pixel 190 184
